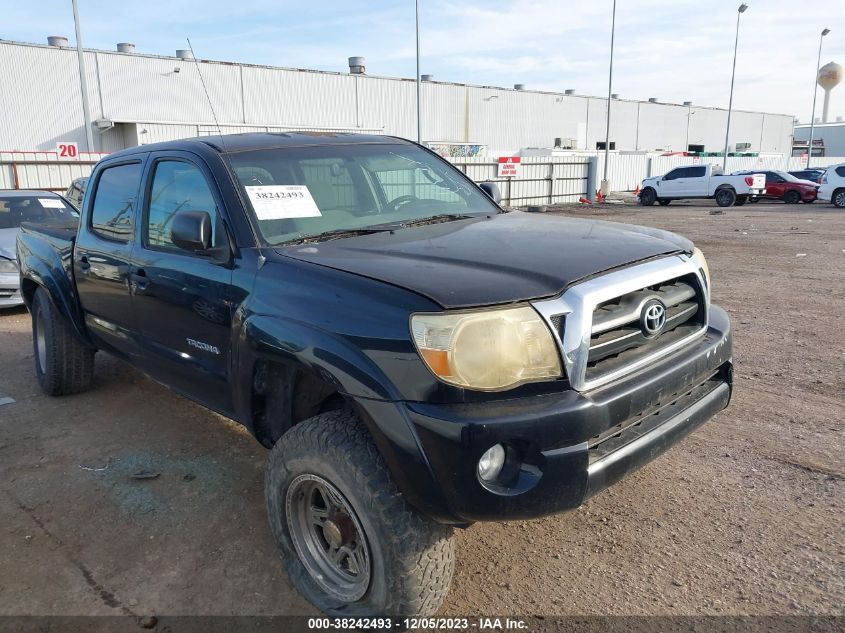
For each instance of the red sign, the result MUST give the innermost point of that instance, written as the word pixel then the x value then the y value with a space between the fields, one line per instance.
pixel 509 166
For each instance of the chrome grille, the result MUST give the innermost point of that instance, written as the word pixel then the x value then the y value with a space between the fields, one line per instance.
pixel 616 323
pixel 597 322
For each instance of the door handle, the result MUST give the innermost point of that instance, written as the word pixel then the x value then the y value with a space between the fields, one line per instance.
pixel 84 265
pixel 138 281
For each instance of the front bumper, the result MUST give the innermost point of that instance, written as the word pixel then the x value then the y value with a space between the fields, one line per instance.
pixel 10 290
pixel 572 445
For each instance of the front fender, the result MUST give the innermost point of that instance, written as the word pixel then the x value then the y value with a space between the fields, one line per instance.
pixel 341 364
pixel 46 262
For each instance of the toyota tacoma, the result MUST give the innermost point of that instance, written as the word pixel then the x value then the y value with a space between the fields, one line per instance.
pixel 416 357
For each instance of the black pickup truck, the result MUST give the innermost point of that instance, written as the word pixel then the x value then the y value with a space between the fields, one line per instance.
pixel 417 357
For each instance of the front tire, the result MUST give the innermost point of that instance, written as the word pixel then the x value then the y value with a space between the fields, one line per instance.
pixel 351 543
pixel 725 197
pixel 648 197
pixel 63 365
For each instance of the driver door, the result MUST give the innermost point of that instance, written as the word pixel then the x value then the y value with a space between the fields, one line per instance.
pixel 182 300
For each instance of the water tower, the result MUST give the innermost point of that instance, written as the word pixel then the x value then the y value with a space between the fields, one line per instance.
pixel 829 76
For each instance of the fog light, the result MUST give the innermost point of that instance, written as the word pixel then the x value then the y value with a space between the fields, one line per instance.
pixel 491 463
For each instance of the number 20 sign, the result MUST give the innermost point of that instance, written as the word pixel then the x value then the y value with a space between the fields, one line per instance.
pixel 67 150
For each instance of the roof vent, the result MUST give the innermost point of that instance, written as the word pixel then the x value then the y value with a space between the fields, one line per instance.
pixel 687 103
pixel 426 77
pixel 615 95
pixel 125 47
pixel 357 65
pixel 57 40
pixel 182 53
pixel 652 99
pixel 569 91
pixel 519 86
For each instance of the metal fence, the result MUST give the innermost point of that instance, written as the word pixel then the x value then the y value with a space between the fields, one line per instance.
pixel 43 170
pixel 542 180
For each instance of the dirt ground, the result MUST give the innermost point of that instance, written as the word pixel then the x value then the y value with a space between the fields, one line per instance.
pixel 743 517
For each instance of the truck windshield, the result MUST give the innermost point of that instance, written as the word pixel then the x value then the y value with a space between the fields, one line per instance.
pixel 307 192
pixel 38 208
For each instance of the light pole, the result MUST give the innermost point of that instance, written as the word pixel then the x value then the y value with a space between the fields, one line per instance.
pixel 815 92
pixel 419 100
pixel 740 10
pixel 86 111
pixel 605 185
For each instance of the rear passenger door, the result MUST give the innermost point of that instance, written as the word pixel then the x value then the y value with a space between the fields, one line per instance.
pixel 101 255
pixel 696 183
pixel 182 299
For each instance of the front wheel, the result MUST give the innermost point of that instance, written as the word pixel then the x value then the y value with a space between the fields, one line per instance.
pixel 350 542
pixel 792 197
pixel 648 197
pixel 725 197
pixel 63 365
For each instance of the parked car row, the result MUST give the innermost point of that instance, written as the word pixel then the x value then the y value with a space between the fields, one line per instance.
pixel 707 181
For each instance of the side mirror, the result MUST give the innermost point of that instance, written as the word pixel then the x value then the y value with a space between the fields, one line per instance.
pixel 492 190
pixel 191 230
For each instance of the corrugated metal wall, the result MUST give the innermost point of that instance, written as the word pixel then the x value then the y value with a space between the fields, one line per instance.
pixel 42 104
pixel 42 170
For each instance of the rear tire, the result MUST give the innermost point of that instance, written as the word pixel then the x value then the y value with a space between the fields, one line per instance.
pixel 664 202
pixel 648 197
pixel 792 197
pixel 838 198
pixel 63 364
pixel 328 490
pixel 740 200
pixel 725 197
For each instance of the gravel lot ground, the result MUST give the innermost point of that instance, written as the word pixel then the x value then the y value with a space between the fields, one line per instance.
pixel 744 517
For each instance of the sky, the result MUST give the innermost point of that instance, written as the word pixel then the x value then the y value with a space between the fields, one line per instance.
pixel 675 50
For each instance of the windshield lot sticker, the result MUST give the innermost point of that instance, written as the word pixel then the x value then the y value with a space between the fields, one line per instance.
pixel 51 203
pixel 281 202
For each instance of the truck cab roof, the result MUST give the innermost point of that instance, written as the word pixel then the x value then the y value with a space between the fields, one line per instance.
pixel 231 143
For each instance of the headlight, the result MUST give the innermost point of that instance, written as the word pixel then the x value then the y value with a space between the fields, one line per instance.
pixel 698 256
pixel 8 266
pixel 487 350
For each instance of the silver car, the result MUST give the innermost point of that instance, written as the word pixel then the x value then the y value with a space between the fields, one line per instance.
pixel 39 207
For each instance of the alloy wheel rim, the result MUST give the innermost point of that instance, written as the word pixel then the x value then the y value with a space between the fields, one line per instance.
pixel 328 537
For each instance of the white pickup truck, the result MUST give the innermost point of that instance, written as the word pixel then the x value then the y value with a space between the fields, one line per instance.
pixel 701 181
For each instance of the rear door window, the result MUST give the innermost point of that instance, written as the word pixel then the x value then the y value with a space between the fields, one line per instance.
pixel 112 213
pixel 840 171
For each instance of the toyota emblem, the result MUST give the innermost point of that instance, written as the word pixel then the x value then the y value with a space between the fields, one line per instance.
pixel 653 318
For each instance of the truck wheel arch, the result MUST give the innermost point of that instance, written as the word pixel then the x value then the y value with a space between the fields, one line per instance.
pixel 346 378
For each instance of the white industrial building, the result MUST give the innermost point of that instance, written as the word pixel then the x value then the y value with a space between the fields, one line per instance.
pixel 828 138
pixel 139 99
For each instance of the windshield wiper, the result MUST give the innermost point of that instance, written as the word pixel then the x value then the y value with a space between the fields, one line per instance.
pixel 434 219
pixel 335 234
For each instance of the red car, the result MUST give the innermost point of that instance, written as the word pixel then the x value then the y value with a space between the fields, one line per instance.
pixel 787 187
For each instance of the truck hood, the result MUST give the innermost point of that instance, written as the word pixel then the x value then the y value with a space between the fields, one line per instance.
pixel 491 260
